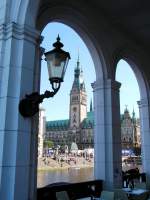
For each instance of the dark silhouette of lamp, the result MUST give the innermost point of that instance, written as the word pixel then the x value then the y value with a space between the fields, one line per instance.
pixel 57 61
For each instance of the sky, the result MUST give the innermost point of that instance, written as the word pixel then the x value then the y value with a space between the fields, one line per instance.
pixel 129 91
pixel 58 106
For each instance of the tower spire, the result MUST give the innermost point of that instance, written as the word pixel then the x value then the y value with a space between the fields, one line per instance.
pixel 91 106
pixel 78 97
pixel 78 62
pixel 133 116
pixel 126 108
pixel 133 112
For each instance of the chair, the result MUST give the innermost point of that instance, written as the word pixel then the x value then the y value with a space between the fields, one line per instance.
pixel 107 195
pixel 120 194
pixel 62 195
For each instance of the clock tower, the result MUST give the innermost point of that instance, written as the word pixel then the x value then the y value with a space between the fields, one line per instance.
pixel 78 98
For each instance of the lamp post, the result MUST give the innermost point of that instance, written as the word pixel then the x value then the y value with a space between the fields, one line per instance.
pixel 57 61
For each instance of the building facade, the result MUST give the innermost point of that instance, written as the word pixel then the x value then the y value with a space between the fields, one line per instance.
pixel 79 128
pixel 130 131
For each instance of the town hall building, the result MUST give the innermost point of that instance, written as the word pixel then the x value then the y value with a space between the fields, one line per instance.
pixel 79 128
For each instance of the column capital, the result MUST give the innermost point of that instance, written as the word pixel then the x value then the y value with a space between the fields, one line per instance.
pixel 17 31
pixel 106 84
pixel 42 50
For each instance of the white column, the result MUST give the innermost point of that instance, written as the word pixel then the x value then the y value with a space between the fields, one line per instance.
pixel 144 108
pixel 2 42
pixel 107 133
pixel 18 49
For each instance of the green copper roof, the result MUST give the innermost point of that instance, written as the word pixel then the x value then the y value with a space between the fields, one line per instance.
pixel 90 115
pixel 57 125
pixel 89 121
pixel 78 82
pixel 64 124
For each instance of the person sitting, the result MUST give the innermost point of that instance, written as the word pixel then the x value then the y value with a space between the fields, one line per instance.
pixel 124 179
pixel 131 175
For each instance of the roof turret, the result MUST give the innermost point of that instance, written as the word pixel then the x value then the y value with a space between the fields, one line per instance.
pixel 78 77
pixel 133 116
pixel 126 113
pixel 91 106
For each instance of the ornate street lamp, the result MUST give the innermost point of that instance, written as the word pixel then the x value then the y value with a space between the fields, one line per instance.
pixel 57 61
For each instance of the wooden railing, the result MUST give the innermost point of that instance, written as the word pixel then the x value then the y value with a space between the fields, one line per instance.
pixel 74 190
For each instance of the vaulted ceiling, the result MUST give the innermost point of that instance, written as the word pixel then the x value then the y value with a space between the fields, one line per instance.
pixel 129 16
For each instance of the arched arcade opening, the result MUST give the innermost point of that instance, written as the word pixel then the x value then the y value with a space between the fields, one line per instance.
pixel 69 115
pixel 136 93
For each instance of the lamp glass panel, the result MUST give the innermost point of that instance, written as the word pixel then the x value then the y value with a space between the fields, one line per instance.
pixel 56 64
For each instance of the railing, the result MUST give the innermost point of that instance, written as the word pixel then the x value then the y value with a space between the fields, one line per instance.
pixel 74 190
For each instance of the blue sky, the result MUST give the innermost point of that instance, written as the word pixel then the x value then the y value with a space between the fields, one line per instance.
pixel 58 106
pixel 129 91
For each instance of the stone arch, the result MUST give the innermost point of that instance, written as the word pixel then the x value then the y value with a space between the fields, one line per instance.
pixel 24 12
pixel 38 15
pixel 132 57
pixel 104 87
pixel 137 61
pixel 25 21
pixel 80 28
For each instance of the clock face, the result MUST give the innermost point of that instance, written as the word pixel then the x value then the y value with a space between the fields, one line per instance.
pixel 74 109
